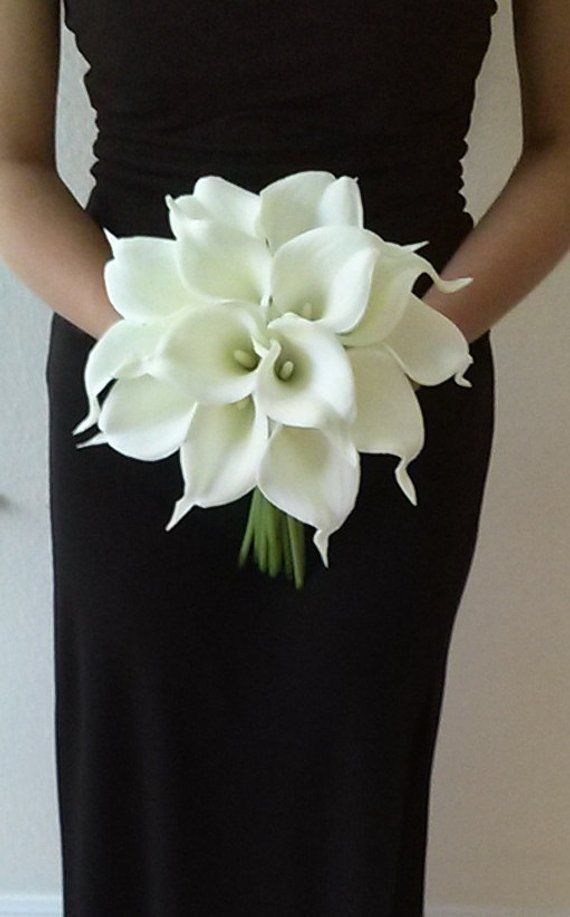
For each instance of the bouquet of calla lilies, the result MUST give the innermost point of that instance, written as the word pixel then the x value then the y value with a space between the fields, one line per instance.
pixel 272 340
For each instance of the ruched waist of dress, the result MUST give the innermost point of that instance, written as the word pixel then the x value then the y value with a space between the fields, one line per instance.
pixel 411 189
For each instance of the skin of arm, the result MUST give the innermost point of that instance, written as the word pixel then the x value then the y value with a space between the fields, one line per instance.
pixel 526 231
pixel 59 251
pixel 46 237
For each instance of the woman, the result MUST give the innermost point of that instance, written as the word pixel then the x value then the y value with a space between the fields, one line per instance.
pixel 227 744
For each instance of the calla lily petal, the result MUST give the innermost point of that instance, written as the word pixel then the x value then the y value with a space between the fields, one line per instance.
pixel 218 261
pixel 341 203
pixel 218 199
pixel 325 274
pixel 396 271
pixel 390 290
pixel 145 418
pixel 428 345
pixel 142 280
pixel 98 439
pixel 183 208
pixel 305 474
pixel 389 418
pixel 208 351
pixel 289 206
pixel 306 376
pixel 306 200
pixel 221 454
pixel 123 351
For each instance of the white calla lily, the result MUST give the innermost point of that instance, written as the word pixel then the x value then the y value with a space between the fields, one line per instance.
pixel 142 279
pixel 305 200
pixel 306 377
pixel 144 418
pixel 304 473
pixel 325 275
pixel 396 270
pixel 221 455
pixel 218 261
pixel 428 346
pixel 389 418
pixel 215 198
pixel 125 350
pixel 209 353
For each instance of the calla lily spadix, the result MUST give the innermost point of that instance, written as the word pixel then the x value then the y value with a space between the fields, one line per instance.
pixel 272 340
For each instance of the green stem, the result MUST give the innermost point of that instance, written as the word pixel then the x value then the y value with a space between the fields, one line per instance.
pixel 262 526
pixel 287 557
pixel 274 539
pixel 256 531
pixel 301 541
pixel 249 530
pixel 297 550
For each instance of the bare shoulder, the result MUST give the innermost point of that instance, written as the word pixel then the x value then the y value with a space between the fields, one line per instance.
pixel 542 43
pixel 29 72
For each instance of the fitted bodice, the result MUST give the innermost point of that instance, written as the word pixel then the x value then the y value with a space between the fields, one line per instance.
pixel 252 90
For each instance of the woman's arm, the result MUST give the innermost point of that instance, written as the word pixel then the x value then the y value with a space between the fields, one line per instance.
pixel 526 231
pixel 46 237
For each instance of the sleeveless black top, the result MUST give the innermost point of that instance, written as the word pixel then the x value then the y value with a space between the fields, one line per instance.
pixel 232 88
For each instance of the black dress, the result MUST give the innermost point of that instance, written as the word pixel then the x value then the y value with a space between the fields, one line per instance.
pixel 226 744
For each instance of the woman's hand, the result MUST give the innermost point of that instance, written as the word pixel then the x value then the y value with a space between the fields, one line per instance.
pixel 108 318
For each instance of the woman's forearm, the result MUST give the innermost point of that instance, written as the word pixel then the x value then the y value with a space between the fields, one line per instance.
pixel 53 245
pixel 516 243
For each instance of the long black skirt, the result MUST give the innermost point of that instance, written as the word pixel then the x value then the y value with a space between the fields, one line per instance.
pixel 226 744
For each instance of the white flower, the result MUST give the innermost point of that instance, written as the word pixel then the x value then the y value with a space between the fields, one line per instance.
pixel 283 209
pixel 313 476
pixel 391 335
pixel 271 341
pixel 198 338
pixel 402 339
pixel 263 388
pixel 142 417
pixel 142 278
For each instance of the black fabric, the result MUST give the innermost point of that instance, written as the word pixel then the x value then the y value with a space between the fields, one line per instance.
pixel 227 745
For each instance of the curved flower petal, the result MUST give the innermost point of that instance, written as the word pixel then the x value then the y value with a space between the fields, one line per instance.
pixel 183 208
pixel 341 203
pixel 209 353
pixel 428 345
pixel 221 455
pixel 389 418
pixel 123 351
pixel 99 439
pixel 218 199
pixel 145 418
pixel 306 375
pixel 289 205
pixel 305 474
pixel 325 274
pixel 218 261
pixel 143 280
pixel 390 291
pixel 396 270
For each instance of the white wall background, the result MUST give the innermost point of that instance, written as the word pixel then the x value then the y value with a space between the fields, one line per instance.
pixel 500 810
